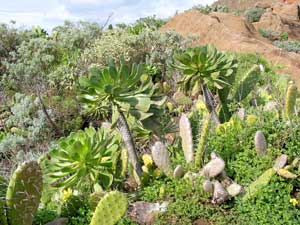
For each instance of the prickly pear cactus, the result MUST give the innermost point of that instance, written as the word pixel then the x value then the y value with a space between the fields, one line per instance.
pixel 260 143
pixel 261 181
pixel 161 158
pixel 95 198
pixel 202 142
pixel 24 193
pixel 185 131
pixel 110 209
pixel 290 100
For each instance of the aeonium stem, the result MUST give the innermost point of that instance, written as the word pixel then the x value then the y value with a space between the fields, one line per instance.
pixel 128 140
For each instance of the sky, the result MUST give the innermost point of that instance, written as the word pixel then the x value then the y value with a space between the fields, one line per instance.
pixel 50 13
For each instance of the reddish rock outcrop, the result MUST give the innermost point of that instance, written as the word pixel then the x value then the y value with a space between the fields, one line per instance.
pixel 233 33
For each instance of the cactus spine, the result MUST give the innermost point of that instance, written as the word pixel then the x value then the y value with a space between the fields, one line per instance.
pixel 290 100
pixel 161 158
pixel 24 193
pixel 187 138
pixel 202 142
pixel 110 209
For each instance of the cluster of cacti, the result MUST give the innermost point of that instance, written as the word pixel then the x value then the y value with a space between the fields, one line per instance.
pixel 161 158
pixel 202 141
pixel 185 132
pixel 260 143
pixel 290 100
pixel 23 195
pixel 217 182
pixel 110 209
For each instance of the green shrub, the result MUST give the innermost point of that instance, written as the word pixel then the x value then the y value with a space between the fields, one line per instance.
pixel 44 215
pixel 212 8
pixel 290 46
pixel 253 14
pixel 273 35
pixel 271 206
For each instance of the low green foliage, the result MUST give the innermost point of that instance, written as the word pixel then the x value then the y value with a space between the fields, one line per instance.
pixel 44 216
pixel 290 46
pixel 253 14
pixel 273 35
pixel 209 9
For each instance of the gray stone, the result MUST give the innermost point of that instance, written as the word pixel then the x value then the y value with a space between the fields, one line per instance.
pixel 214 167
pixel 178 172
pixel 208 186
pixel 220 194
pixel 234 189
pixel 145 212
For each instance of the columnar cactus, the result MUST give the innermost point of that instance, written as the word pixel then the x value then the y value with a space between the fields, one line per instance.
pixel 161 158
pixel 24 193
pixel 110 209
pixel 202 142
pixel 290 100
pixel 260 143
pixel 185 131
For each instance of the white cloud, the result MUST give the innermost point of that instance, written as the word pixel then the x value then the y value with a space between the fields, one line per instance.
pixel 51 13
pixel 61 13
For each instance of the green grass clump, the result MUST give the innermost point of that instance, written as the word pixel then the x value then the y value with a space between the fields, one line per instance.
pixel 290 46
pixel 271 206
pixel 254 14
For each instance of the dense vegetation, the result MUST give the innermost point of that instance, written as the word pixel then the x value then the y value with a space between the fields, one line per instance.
pixel 94 119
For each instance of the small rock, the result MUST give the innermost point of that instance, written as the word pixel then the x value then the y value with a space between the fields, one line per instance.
pixel 214 167
pixel 280 162
pixel 234 189
pixel 213 155
pixel 59 221
pixel 220 194
pixel 226 181
pixel 145 212
pixel 178 172
pixel 208 186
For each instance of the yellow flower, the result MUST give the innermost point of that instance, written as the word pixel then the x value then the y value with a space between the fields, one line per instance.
pixel 147 159
pixel 294 201
pixel 156 173
pixel 66 194
pixel 251 119
pixel 200 105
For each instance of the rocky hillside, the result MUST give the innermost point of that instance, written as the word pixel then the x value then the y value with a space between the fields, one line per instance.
pixel 231 32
